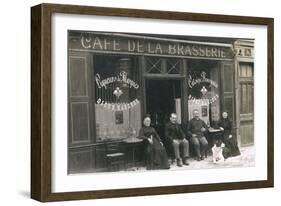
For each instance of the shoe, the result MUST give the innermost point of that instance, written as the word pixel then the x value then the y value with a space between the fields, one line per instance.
pixel 174 161
pixel 167 168
pixel 185 162
pixel 197 158
pixel 169 161
pixel 202 158
pixel 179 162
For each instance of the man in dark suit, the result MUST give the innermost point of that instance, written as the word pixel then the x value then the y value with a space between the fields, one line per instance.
pixel 196 129
pixel 176 137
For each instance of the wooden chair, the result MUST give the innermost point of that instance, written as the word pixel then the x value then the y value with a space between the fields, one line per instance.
pixel 114 157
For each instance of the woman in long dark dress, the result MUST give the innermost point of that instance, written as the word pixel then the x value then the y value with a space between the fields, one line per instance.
pixel 156 156
pixel 230 142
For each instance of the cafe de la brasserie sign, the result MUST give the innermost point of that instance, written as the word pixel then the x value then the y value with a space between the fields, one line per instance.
pixel 143 45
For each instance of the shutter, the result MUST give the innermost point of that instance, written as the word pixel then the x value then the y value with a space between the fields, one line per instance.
pixel 80 113
pixel 80 99
pixel 228 90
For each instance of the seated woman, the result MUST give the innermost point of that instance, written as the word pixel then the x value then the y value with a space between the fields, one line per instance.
pixel 230 142
pixel 156 156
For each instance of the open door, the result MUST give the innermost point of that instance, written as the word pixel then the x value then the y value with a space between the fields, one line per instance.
pixel 163 97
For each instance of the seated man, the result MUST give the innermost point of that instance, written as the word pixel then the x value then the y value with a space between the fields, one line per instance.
pixel 196 128
pixel 176 137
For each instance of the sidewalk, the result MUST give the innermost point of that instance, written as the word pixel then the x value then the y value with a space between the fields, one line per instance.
pixel 246 159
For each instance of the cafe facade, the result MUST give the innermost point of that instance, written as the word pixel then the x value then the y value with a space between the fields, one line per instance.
pixel 115 79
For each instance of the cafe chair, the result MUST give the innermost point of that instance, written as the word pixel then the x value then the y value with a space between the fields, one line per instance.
pixel 115 159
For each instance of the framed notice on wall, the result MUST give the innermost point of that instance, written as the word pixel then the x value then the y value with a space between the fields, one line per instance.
pixel 130 102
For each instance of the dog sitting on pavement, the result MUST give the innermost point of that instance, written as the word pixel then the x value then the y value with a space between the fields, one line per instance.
pixel 217 151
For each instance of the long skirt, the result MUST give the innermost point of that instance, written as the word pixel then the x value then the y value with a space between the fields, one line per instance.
pixel 232 145
pixel 156 156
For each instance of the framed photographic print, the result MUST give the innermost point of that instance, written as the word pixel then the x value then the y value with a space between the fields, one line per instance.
pixel 130 102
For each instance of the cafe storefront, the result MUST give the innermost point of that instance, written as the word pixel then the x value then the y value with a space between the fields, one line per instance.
pixel 115 79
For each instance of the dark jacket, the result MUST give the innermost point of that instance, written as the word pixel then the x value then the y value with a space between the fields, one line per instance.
pixel 226 124
pixel 173 131
pixel 146 132
pixel 194 127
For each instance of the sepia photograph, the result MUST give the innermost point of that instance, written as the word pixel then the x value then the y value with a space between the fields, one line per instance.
pixel 140 102
pixel 129 102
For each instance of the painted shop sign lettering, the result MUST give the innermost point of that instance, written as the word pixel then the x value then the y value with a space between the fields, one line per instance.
pixel 192 82
pixel 148 46
pixel 207 96
pixel 118 106
pixel 122 78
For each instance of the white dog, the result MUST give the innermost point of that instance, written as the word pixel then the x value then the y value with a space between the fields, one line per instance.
pixel 217 150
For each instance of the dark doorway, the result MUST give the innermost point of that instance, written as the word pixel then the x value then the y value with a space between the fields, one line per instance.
pixel 161 97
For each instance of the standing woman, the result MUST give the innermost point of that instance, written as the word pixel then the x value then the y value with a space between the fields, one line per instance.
pixel 156 156
pixel 230 142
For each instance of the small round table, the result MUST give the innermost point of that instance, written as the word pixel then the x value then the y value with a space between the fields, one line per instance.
pixel 132 142
pixel 214 134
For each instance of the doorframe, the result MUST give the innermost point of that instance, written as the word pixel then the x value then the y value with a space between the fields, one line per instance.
pixel 166 77
pixel 147 76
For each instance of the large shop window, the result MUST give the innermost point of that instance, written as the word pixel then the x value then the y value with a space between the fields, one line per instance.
pixel 203 90
pixel 117 102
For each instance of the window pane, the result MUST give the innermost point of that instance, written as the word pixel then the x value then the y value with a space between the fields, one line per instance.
pixel 203 90
pixel 173 66
pixel 153 65
pixel 117 105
